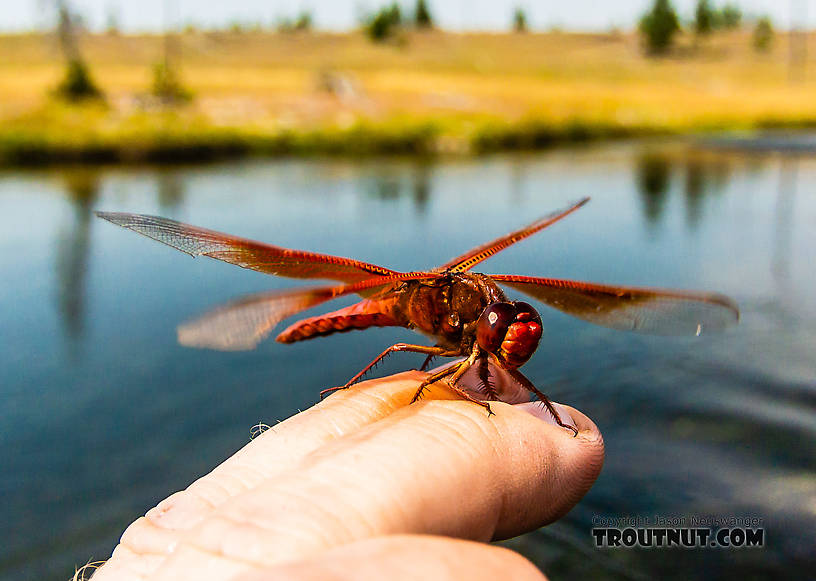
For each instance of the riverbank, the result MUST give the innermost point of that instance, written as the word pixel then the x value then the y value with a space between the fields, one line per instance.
pixel 319 93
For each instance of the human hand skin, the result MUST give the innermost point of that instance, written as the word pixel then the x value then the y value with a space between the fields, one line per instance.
pixel 365 485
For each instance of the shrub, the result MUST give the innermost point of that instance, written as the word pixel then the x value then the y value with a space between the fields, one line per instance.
pixel 704 18
pixel 659 26
pixel 304 21
pixel 385 23
pixel 422 16
pixel 763 34
pixel 167 86
pixel 519 20
pixel 730 16
pixel 77 85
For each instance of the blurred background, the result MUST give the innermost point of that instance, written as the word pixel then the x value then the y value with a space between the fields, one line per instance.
pixel 403 134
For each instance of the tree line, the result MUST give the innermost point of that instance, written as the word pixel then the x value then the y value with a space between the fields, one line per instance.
pixel 658 29
pixel 660 25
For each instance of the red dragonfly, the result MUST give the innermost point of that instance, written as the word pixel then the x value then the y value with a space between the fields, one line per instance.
pixel 467 314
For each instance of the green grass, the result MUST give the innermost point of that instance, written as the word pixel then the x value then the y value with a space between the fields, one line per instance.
pixel 66 134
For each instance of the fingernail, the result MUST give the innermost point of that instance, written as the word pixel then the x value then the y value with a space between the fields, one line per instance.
pixel 539 410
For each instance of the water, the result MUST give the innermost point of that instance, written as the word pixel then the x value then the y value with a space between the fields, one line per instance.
pixel 102 414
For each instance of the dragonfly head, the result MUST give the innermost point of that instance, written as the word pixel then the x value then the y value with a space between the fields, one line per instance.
pixel 511 331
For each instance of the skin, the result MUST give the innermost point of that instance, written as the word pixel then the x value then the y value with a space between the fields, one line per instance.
pixel 365 486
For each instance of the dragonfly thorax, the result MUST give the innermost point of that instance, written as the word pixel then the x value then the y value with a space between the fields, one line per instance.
pixel 449 307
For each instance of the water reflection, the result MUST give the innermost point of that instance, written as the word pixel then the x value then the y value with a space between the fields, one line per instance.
pixel 385 186
pixel 695 189
pixel 653 176
pixel 72 250
pixel 392 183
pixel 421 191
pixel 703 176
pixel 170 189
pixel 783 222
pixel 518 178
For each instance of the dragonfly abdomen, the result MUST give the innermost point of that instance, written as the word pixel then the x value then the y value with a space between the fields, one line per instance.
pixel 362 315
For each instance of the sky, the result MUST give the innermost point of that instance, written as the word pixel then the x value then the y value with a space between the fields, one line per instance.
pixel 584 15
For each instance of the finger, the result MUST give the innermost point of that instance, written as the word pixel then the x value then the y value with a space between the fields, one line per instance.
pixel 149 540
pixel 405 557
pixel 278 454
pixel 442 467
pixel 283 445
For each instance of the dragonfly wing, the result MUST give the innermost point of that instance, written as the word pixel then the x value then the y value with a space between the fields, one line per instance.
pixel 476 255
pixel 644 310
pixel 246 253
pixel 242 324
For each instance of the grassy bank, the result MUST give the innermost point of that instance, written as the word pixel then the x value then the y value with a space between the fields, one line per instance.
pixel 432 92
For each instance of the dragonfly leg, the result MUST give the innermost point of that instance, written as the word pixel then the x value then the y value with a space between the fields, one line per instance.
pixel 463 367
pixel 427 362
pixel 430 351
pixel 517 375
pixel 435 377
pixel 484 377
pixel 465 395
pixel 458 370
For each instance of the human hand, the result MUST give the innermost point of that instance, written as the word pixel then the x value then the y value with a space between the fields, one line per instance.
pixel 364 486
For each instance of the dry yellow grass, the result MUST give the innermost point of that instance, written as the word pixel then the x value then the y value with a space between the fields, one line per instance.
pixel 262 83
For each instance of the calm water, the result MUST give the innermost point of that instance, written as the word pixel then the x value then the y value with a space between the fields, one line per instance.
pixel 102 414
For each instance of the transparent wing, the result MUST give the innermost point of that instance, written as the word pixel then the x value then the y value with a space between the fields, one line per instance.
pixel 245 253
pixel 242 324
pixel 654 311
pixel 476 255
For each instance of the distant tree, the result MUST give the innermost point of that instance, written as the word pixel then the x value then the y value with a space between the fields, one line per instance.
pixel 167 86
pixel 303 22
pixel 284 24
pixel 77 84
pixel 112 20
pixel 422 16
pixel 730 16
pixel 394 14
pixel 385 23
pixel 519 20
pixel 763 34
pixel 704 18
pixel 659 26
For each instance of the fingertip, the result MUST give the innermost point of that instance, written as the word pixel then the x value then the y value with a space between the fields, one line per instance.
pixel 568 416
pixel 538 410
pixel 586 427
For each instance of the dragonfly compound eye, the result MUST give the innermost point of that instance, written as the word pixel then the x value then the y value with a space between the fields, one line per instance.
pixel 522 336
pixel 493 325
pixel 526 313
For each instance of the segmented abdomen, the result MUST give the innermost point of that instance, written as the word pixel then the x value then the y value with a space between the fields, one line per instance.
pixel 360 315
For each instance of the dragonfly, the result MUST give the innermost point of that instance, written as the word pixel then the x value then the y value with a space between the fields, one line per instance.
pixel 466 314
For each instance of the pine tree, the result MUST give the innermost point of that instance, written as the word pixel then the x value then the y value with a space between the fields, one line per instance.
pixel 704 18
pixel 730 16
pixel 519 20
pixel 659 27
pixel 763 34
pixel 422 16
